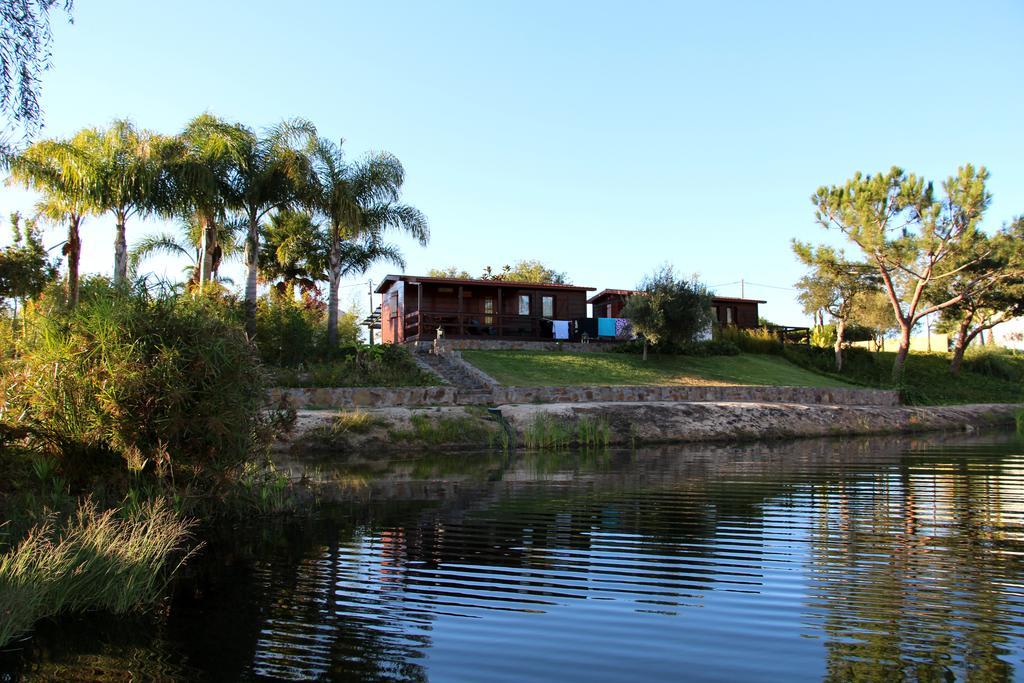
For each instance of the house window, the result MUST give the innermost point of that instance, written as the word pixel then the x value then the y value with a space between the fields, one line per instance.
pixel 524 304
pixel 714 314
pixel 729 315
pixel 488 311
pixel 394 305
pixel 547 306
pixel 608 311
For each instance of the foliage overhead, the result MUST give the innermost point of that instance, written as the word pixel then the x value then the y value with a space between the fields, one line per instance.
pixel 25 39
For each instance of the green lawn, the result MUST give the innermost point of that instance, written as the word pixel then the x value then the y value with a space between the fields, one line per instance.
pixel 539 368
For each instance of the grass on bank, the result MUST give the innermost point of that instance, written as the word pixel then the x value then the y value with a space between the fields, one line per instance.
pixel 537 368
pixel 96 560
pixel 987 376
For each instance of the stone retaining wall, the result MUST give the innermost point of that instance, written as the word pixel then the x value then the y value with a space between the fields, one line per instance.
pixel 378 397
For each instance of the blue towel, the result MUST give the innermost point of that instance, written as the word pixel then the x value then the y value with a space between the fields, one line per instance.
pixel 606 327
pixel 560 329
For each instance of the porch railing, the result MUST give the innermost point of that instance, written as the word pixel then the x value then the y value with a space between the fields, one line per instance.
pixel 424 324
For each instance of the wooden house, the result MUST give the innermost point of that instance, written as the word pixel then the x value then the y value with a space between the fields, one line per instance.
pixel 415 307
pixel 742 313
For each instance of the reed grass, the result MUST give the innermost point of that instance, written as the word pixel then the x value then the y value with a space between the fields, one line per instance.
pixel 96 560
pixel 546 431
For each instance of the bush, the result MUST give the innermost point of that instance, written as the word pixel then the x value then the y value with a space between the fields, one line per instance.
pixel 761 340
pixel 289 332
pixel 1000 363
pixel 360 365
pixel 700 348
pixel 145 378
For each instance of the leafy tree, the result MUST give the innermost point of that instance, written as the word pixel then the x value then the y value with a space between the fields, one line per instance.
pixel 833 285
pixel 25 39
pixel 872 313
pixel 669 310
pixel 25 268
pixel 911 237
pixel 526 271
pixel 993 285
pixel 55 168
pixel 359 202
pixel 451 272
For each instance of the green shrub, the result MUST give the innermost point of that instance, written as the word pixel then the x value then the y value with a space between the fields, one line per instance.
pixel 289 332
pixel 381 365
pixel 711 347
pixel 150 379
pixel 995 362
pixel 761 340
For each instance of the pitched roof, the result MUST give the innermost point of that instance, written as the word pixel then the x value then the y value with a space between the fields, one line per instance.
pixel 630 292
pixel 415 279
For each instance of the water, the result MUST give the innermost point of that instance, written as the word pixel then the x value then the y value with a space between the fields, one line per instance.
pixel 861 559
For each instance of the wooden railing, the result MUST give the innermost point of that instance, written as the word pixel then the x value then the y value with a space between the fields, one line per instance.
pixel 424 325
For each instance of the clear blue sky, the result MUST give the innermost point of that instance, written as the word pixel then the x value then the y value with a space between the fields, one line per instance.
pixel 602 138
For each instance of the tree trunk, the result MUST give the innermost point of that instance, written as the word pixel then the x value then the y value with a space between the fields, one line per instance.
pixel 252 270
pixel 959 347
pixel 334 280
pixel 645 349
pixel 207 247
pixel 901 354
pixel 120 254
pixel 73 250
pixel 840 338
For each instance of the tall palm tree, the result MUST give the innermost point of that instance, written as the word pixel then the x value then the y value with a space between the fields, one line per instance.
pixel 201 165
pixel 56 169
pixel 122 179
pixel 359 203
pixel 272 171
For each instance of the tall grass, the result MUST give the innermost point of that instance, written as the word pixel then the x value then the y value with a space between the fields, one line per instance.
pixel 546 431
pixel 95 560
pixel 760 340
pixel 1020 422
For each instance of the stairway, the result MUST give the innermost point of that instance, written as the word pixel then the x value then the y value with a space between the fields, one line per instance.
pixel 452 369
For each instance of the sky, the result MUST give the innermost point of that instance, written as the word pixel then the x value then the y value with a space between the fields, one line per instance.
pixel 604 139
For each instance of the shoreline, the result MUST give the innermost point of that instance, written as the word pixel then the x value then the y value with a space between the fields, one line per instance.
pixel 401 429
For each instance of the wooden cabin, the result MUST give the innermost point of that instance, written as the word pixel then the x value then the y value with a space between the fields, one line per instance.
pixel 414 307
pixel 742 313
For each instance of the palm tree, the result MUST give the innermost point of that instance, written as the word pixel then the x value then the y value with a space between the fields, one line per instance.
pixel 122 179
pixel 187 244
pixel 271 174
pixel 359 203
pixel 56 169
pixel 200 168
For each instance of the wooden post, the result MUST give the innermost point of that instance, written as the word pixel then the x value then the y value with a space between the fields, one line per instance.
pixel 500 311
pixel 460 311
pixel 419 310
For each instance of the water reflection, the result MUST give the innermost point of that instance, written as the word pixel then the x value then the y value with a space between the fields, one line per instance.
pixel 866 559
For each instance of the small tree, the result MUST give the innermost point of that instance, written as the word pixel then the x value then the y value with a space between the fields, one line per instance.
pixel 24 267
pixel 669 310
pixel 451 273
pixel 989 300
pixel 834 285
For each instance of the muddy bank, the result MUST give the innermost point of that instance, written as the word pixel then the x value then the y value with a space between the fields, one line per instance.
pixel 461 427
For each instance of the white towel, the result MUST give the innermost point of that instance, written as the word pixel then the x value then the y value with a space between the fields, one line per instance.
pixel 560 329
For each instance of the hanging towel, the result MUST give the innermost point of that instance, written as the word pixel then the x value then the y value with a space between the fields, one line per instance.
pixel 561 329
pixel 606 327
pixel 623 329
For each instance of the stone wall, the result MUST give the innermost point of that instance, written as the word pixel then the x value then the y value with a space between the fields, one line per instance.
pixel 375 397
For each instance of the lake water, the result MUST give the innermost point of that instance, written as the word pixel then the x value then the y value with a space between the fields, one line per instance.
pixel 867 559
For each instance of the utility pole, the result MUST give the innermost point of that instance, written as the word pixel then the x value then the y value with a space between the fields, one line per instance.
pixel 369 328
pixel 743 289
